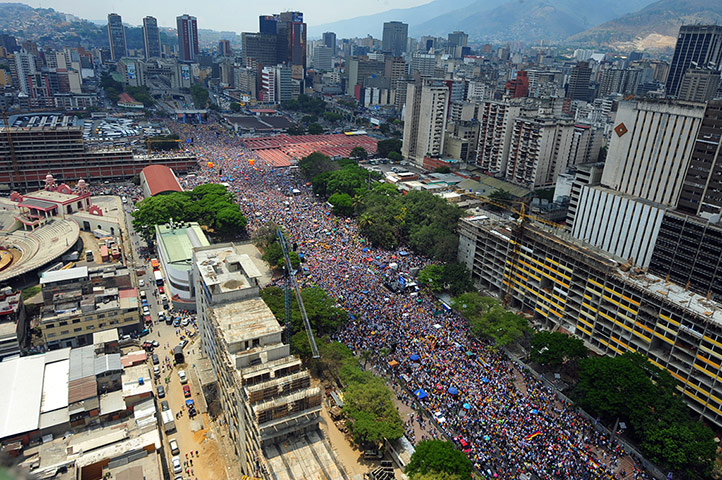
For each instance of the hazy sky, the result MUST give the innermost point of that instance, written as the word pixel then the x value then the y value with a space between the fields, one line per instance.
pixel 237 16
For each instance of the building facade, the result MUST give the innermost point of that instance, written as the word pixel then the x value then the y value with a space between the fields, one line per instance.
pixel 697 46
pixel 151 37
pixel 563 284
pixel 648 151
pixel 427 102
pixel 187 38
pixel 116 37
pixel 395 37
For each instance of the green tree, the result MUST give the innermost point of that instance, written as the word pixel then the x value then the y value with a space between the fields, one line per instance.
pixel 342 204
pixel 235 107
pixel 442 169
pixel 200 96
pixel 489 319
pixel 358 153
pixel 315 129
pixel 434 475
pixel 372 415
pixel 457 278
pixel 384 147
pixel 308 119
pixel 385 128
pixel 555 348
pixel 433 277
pixel 230 221
pixel 296 130
pixel 395 156
pixel 315 164
pixel 686 447
pixel 158 210
pixel 438 456
pixel 323 314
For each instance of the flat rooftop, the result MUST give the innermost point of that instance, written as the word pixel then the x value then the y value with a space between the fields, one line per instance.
pixel 246 320
pixel 226 267
pixel 308 456
pixel 178 242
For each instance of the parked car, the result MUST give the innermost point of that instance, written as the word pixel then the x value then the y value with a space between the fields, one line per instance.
pixel 186 391
pixel 141 283
pixel 164 406
pixel 161 391
pixel 156 360
pixel 182 376
pixel 174 446
pixel 184 343
pixel 185 322
pixel 144 332
pixel 156 371
pixel 160 289
pixel 146 310
pixel 177 468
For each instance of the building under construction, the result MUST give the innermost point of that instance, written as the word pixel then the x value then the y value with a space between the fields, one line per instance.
pixel 564 284
pixel 265 393
pixel 27 154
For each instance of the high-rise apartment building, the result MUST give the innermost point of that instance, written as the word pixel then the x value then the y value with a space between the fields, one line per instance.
pixel 427 102
pixel 702 188
pixel 579 82
pixel 698 46
pixel 187 38
pixel 496 121
pixel 699 85
pixel 116 37
pixel 360 68
pixel 25 65
pixel 423 63
pixel 291 39
pixel 268 24
pixel 395 71
pixel 151 37
pixel 539 150
pixel 649 150
pixel 329 39
pixel 395 37
pixel 224 48
pixel 258 48
pixel 322 58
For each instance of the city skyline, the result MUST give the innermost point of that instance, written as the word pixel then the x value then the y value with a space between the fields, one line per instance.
pixel 214 15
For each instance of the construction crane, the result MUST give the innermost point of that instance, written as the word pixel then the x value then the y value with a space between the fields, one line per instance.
pixel 290 276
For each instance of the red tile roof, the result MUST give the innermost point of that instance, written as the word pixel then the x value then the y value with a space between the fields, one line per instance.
pixel 160 179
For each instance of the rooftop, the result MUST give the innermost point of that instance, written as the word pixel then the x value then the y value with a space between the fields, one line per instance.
pixel 246 320
pixel 178 241
pixel 160 179
pixel 225 268
pixel 64 275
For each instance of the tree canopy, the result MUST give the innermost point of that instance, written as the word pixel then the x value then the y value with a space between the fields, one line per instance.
pixel 629 388
pixel 384 147
pixel 305 104
pixel 373 417
pixel 323 314
pixel 555 348
pixel 453 276
pixel 488 318
pixel 438 456
pixel 210 205
pixel 316 163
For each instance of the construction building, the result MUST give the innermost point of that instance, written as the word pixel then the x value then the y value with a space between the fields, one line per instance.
pixel 29 153
pixel 561 283
pixel 265 394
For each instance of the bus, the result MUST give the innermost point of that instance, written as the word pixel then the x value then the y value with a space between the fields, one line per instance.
pixel 158 278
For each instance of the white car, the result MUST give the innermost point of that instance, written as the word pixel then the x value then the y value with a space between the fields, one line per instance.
pixel 174 446
pixel 146 310
pixel 182 376
pixel 177 468
pixel 141 282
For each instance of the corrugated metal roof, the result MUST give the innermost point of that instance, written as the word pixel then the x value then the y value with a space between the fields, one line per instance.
pixel 62 275
pixel 82 363
pixel 107 363
pixel 82 389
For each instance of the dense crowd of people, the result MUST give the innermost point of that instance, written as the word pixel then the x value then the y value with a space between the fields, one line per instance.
pixel 512 425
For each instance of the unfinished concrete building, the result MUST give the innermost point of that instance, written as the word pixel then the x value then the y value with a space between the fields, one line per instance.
pixel 563 283
pixel 265 394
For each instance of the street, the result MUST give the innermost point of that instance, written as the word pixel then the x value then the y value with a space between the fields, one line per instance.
pixel 200 452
